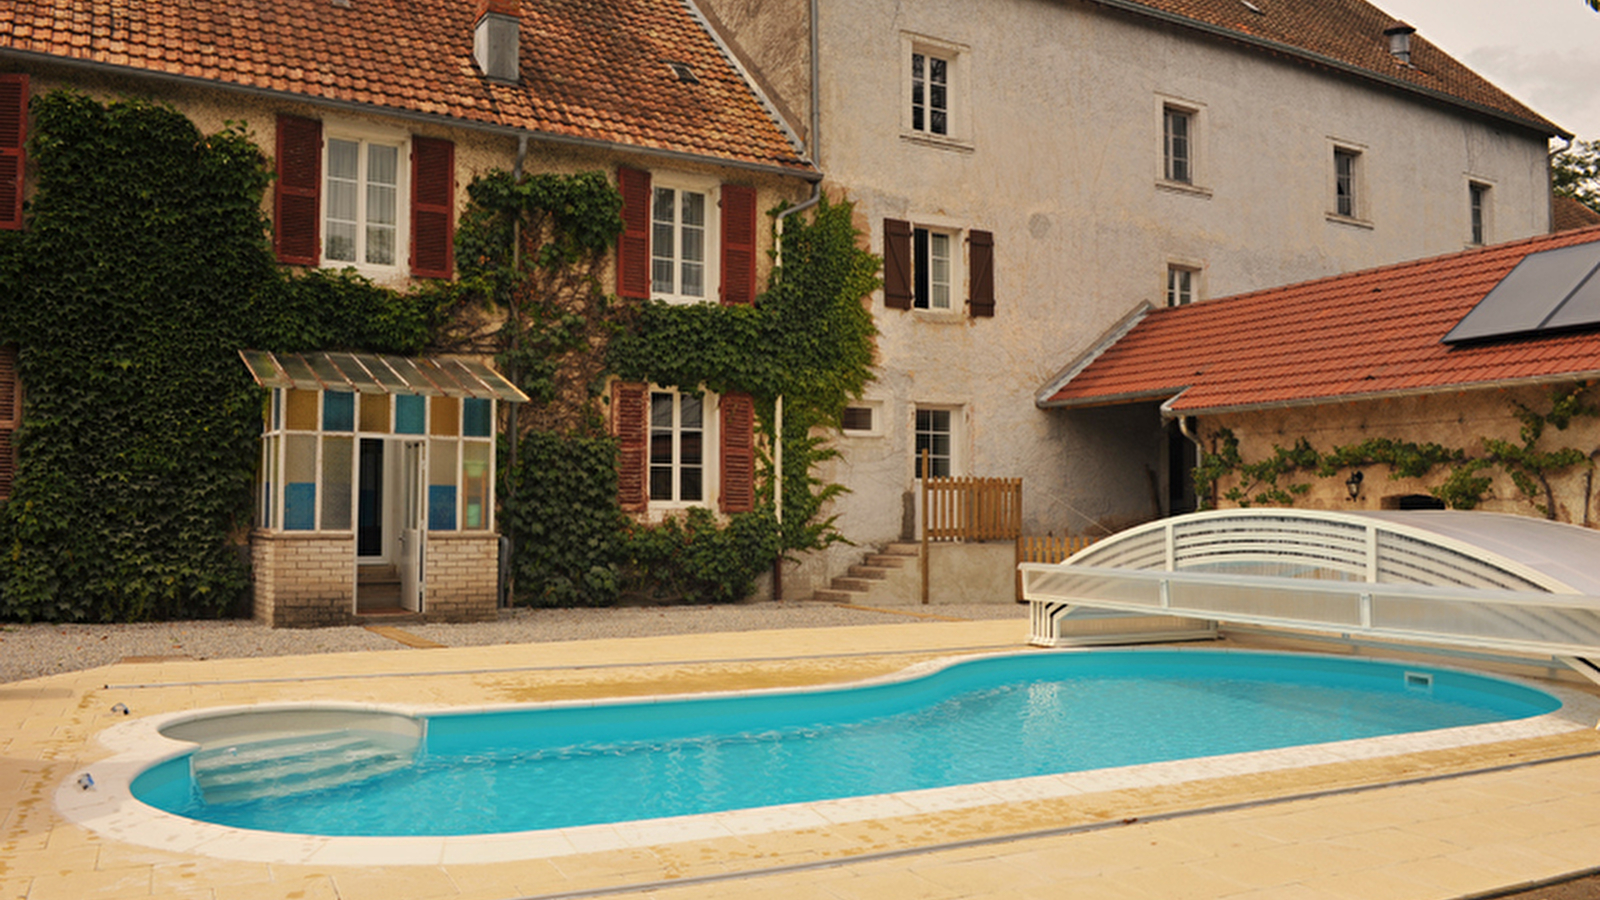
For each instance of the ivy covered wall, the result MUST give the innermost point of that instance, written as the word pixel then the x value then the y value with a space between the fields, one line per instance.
pixel 807 339
pixel 1526 451
pixel 144 268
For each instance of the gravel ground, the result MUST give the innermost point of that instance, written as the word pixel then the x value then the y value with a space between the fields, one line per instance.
pixel 30 651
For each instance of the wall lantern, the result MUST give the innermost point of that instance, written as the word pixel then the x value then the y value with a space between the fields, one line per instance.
pixel 1353 484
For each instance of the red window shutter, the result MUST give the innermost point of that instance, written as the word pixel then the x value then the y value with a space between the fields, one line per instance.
pixel 433 207
pixel 982 278
pixel 737 453
pixel 896 264
pixel 297 198
pixel 738 245
pixel 633 247
pixel 10 417
pixel 631 423
pixel 13 144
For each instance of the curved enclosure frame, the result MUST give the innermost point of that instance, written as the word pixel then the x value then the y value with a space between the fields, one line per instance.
pixel 1479 580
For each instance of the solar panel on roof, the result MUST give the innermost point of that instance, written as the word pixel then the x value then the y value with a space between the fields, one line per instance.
pixel 1555 290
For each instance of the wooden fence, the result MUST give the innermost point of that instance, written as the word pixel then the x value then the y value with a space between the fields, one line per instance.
pixel 1049 549
pixel 968 509
pixel 971 509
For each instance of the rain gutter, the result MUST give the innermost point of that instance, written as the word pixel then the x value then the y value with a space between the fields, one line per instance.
pixel 1139 9
pixel 1170 412
pixel 800 170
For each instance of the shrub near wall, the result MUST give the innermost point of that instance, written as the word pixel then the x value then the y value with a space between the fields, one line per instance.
pixel 144 268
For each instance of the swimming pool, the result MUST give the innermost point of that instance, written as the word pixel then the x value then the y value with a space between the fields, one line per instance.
pixel 994 719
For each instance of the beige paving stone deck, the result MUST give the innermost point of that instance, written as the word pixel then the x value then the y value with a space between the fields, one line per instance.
pixel 1378 832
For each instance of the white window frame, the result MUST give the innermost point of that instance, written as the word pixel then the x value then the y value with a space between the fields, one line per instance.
pixel 1359 212
pixel 956 431
pixel 1480 212
pixel 1182 283
pixel 928 270
pixel 876 409
pixel 1195 114
pixel 710 457
pixel 958 59
pixel 363 136
pixel 712 277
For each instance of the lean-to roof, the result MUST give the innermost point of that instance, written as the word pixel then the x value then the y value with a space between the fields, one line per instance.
pixel 1364 335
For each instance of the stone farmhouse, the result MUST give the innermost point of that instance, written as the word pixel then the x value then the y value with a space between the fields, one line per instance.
pixel 1034 170
pixel 377 116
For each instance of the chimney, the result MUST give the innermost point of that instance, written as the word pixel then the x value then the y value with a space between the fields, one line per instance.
pixel 1399 35
pixel 497 40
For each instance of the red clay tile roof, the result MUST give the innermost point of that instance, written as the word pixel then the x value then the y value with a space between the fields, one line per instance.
pixel 591 69
pixel 1567 214
pixel 1348 34
pixel 1366 334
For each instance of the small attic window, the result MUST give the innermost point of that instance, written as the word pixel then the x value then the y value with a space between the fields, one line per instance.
pixel 683 72
pixel 1253 8
pixel 342 4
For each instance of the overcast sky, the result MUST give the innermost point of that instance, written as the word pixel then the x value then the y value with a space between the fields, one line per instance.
pixel 1545 53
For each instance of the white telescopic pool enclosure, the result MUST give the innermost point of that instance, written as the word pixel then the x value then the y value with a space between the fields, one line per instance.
pixel 1467 579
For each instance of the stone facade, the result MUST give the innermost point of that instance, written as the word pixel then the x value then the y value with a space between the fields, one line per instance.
pixel 462 574
pixel 1460 420
pixel 1055 147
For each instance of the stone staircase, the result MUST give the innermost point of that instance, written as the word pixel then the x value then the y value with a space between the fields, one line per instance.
pixel 887 576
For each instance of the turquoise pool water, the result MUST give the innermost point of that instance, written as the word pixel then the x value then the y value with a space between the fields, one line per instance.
pixel 990 719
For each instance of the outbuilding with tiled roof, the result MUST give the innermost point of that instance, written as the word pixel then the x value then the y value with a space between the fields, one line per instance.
pixel 1455 351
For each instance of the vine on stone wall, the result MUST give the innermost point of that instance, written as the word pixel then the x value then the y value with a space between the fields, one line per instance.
pixel 807 339
pixel 144 268
pixel 1530 467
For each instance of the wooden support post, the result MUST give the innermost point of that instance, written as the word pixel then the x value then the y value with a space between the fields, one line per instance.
pixel 924 488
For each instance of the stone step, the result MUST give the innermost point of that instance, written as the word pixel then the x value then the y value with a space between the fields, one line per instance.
pixel 903 548
pixel 855 585
pixel 874 573
pixel 832 596
pixel 889 561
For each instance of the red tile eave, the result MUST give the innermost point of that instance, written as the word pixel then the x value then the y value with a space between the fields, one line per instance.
pixel 1367 334
pixel 1345 35
pixel 593 70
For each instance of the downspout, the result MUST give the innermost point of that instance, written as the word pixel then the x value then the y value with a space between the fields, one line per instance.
pixel 1200 450
pixel 509 543
pixel 814 140
pixel 1550 179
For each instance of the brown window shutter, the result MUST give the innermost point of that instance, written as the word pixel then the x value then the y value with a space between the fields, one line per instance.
pixel 10 417
pixel 13 144
pixel 433 207
pixel 633 247
pixel 297 197
pixel 896 264
pixel 982 276
pixel 738 245
pixel 737 453
pixel 631 423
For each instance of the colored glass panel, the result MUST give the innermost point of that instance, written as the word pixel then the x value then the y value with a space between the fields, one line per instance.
pixel 409 412
pixel 338 411
pixel 445 418
pixel 475 484
pixel 375 413
pixel 442 485
pixel 476 417
pixel 337 465
pixel 300 413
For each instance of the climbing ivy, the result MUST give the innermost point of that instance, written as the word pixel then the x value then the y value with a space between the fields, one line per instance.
pixel 1529 466
pixel 531 250
pixel 144 268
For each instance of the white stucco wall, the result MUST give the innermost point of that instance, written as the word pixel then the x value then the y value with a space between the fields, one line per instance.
pixel 1058 107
